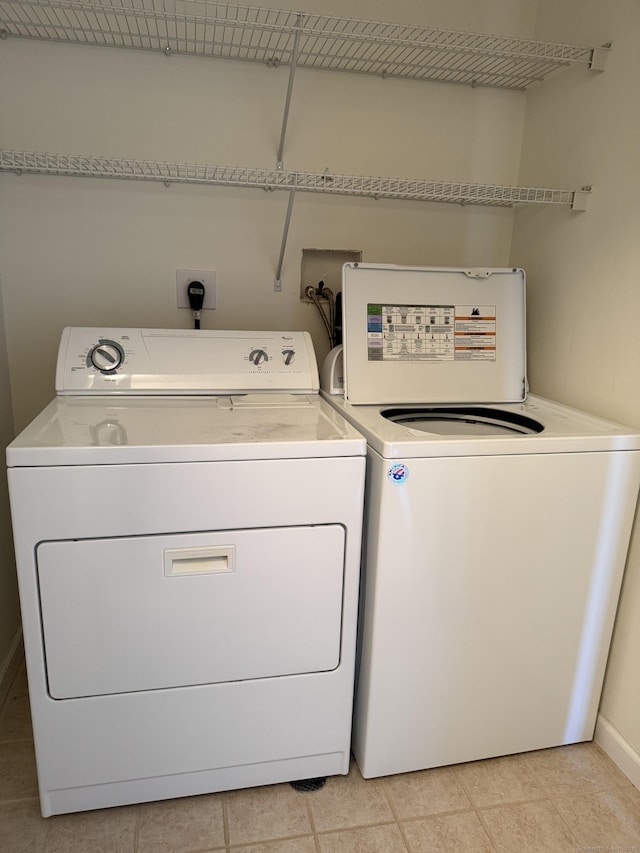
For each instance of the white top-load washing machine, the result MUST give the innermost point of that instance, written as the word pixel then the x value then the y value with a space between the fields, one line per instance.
pixel 187 519
pixel 496 524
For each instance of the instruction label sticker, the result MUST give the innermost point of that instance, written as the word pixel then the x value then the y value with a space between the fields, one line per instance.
pixel 475 337
pixel 431 332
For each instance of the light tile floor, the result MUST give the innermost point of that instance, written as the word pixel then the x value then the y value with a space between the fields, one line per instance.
pixel 554 801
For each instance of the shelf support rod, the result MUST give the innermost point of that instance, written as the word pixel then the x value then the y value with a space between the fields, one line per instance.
pixel 277 284
pixel 292 73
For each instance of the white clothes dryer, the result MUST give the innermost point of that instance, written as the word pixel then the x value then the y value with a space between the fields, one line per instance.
pixel 496 525
pixel 187 519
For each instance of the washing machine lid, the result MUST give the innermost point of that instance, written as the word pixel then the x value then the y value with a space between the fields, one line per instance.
pixel 115 430
pixel 535 426
pixel 436 334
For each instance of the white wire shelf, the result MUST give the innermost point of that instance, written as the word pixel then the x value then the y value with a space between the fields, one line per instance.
pixel 78 165
pixel 224 30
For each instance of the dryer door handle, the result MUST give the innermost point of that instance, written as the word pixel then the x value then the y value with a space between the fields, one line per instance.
pixel 198 561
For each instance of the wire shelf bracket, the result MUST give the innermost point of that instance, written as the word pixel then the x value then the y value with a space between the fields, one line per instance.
pixel 277 284
pixel 292 72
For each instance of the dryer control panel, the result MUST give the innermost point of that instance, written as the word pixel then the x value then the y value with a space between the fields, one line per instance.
pixel 177 361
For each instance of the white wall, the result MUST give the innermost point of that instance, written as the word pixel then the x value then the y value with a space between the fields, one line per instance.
pixel 583 293
pixel 9 616
pixel 98 252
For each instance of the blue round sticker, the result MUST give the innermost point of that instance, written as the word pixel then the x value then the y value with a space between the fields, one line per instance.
pixel 398 473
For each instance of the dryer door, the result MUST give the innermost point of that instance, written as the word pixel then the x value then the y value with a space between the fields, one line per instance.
pixel 153 612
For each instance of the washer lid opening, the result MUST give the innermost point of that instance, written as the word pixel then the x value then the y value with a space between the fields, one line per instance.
pixel 463 420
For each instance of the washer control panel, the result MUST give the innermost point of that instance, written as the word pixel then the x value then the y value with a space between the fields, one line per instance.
pixel 175 361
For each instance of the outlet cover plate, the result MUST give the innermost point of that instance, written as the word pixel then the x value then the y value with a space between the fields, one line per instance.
pixel 207 277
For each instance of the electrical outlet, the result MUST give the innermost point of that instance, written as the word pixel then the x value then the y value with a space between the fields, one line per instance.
pixel 207 277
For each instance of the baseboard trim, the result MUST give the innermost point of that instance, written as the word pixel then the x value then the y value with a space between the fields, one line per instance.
pixel 618 749
pixel 9 666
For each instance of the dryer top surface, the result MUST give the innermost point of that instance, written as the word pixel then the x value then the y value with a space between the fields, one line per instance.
pixel 122 430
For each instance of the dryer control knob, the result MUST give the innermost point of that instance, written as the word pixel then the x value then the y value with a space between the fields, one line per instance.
pixel 257 356
pixel 106 356
pixel 289 356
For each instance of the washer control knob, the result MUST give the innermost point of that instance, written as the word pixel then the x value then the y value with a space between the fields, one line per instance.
pixel 257 356
pixel 289 356
pixel 106 356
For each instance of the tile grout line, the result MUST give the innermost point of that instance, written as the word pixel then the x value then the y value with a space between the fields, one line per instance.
pixel 316 842
pixel 564 822
pixel 389 799
pixel 476 811
pixel 510 804
pixel 11 741
pixel 136 830
pixel 447 813
pixel 322 832
pixel 33 799
pixel 247 845
pixel 225 822
pixel 488 832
